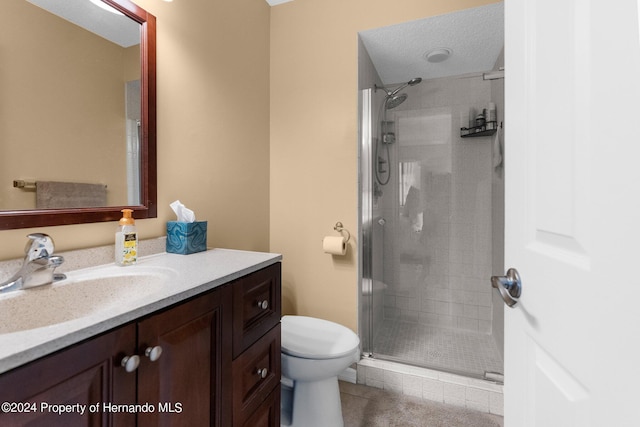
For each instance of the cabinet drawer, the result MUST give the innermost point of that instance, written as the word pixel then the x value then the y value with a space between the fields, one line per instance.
pixel 256 373
pixel 256 306
pixel 268 414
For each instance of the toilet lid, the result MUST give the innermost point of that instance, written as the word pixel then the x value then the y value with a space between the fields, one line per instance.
pixel 312 338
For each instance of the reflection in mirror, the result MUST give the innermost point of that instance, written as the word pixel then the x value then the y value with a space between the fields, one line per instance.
pixel 77 111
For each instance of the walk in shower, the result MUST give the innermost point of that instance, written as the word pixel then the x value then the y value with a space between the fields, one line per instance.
pixel 431 211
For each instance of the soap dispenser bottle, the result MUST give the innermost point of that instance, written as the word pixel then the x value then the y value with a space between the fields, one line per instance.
pixel 126 239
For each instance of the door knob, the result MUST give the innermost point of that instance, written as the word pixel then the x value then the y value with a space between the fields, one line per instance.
pixel 510 286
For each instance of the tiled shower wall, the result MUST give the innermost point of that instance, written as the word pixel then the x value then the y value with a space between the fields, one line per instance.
pixel 437 267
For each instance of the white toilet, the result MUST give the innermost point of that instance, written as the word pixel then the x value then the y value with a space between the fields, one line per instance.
pixel 314 352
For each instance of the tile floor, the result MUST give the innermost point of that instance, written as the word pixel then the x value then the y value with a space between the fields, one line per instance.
pixel 438 348
pixel 364 406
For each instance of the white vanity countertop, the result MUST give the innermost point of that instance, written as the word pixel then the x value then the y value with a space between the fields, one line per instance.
pixel 196 273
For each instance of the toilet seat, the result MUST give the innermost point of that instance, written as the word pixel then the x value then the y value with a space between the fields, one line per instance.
pixel 311 338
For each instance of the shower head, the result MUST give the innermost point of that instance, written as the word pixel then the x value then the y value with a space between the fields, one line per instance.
pixel 390 92
pixel 392 101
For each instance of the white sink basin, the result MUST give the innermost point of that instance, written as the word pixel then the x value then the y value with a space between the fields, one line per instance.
pixel 82 294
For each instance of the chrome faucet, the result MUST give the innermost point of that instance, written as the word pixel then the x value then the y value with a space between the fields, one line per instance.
pixel 38 265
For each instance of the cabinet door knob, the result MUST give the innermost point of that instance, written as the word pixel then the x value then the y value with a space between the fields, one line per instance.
pixel 153 353
pixel 130 363
pixel 264 304
pixel 263 372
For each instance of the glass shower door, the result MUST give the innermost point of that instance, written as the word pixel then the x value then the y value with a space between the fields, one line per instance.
pixel 426 239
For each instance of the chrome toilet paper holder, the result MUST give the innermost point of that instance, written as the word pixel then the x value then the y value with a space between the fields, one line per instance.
pixel 340 228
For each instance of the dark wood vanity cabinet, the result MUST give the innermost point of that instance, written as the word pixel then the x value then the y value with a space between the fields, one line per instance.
pixel 84 374
pixel 219 365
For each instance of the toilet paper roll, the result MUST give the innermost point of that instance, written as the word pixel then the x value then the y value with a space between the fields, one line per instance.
pixel 334 245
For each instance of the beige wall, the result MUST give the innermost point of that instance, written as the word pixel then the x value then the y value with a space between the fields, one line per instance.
pixel 314 115
pixel 213 126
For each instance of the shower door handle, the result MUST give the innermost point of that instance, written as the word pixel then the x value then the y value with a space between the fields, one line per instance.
pixel 510 286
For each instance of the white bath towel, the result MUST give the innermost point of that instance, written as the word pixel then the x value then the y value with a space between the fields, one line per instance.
pixel 497 148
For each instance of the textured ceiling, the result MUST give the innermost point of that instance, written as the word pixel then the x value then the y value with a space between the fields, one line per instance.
pixel 117 28
pixel 475 36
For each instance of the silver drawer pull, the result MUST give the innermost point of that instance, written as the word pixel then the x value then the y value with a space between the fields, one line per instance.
pixel 264 304
pixel 153 353
pixel 130 363
pixel 263 372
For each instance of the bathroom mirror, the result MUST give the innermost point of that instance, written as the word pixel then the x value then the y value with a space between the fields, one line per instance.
pixel 77 112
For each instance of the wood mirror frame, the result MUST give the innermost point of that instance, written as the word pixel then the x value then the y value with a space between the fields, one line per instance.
pixel 13 219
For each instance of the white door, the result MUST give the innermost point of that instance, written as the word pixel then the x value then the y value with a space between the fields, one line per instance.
pixel 572 165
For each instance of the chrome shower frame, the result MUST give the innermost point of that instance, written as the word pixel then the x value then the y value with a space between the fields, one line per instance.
pixel 370 227
pixel 366 183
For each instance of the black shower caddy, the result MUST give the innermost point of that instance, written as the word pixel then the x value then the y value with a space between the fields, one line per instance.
pixel 486 129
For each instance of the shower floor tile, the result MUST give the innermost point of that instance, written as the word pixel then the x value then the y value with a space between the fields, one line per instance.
pixel 438 348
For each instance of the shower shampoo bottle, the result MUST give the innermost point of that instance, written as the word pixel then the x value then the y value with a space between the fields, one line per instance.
pixel 126 240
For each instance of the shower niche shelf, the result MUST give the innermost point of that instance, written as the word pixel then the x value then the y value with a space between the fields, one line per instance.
pixel 487 129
